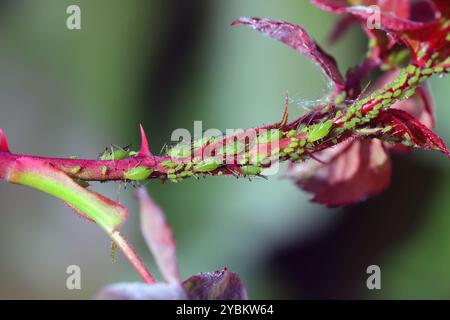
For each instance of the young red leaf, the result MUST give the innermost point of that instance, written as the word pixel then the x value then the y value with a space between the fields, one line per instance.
pixel 400 8
pixel 443 7
pixel 298 39
pixel 406 129
pixel 218 285
pixel 3 142
pixel 348 173
pixel 423 37
pixel 158 236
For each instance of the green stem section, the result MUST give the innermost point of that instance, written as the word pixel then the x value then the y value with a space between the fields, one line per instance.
pixel 106 213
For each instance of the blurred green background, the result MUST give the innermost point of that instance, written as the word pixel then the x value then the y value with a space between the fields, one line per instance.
pixel 166 64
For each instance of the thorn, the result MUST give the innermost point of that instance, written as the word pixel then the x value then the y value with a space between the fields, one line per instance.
pixel 144 151
pixel 284 119
pixel 3 142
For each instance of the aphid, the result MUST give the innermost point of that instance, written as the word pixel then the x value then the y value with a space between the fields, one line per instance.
pixel 340 98
pixel 291 133
pixel 397 93
pixel 179 151
pixel 207 165
pixel 104 170
pixel 115 153
pixel 189 166
pixel 138 173
pixel 250 170
pixel 319 131
pixel 269 136
pixel 168 164
pixel 200 142
pixel 75 170
pixel 427 71
pixel 234 147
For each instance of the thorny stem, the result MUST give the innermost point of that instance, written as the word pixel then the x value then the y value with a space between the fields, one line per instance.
pixel 346 119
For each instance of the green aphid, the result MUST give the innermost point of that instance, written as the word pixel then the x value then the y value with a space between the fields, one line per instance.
pixel 189 166
pixel 387 129
pixel 388 95
pixel 168 164
pixel 104 170
pixel 250 170
pixel 400 81
pixel 73 157
pixel 348 125
pixel 407 136
pixel 270 136
pixel 288 150
pixel 378 107
pixel 397 93
pixel 75 170
pixel 293 145
pixel 206 165
pixel 411 69
pixel 338 113
pixel 291 133
pixel 413 80
pixel 409 93
pixel 294 157
pixel 319 131
pixel 386 102
pixel 300 151
pixel 427 71
pixel 114 153
pixel 439 69
pixel 170 171
pixel 340 98
pixel 302 142
pixel 200 142
pixel 171 176
pixel 179 167
pixel 133 153
pixel 138 173
pixel 234 147
pixel 179 151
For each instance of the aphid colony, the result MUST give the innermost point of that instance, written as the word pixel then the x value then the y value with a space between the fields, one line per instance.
pixel 281 143
pixel 368 109
pixel 248 159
